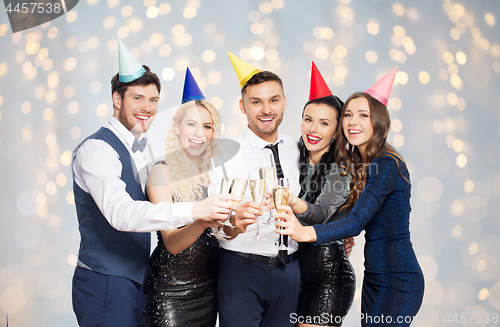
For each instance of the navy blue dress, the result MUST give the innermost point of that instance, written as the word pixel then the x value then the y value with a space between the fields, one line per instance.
pixel 393 284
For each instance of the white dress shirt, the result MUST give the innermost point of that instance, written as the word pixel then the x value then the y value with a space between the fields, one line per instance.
pixel 97 171
pixel 245 164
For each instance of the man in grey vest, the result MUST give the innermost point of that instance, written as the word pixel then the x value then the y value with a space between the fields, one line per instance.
pixel 115 219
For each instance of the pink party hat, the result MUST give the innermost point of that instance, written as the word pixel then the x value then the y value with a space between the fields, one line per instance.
pixel 382 89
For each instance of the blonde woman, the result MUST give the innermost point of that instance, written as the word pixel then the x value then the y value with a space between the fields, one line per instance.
pixel 181 289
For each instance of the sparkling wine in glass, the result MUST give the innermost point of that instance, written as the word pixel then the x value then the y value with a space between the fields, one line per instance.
pixel 238 187
pixel 224 189
pixel 268 172
pixel 257 191
pixel 281 194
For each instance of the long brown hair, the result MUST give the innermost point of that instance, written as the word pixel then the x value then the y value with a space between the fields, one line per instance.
pixel 348 156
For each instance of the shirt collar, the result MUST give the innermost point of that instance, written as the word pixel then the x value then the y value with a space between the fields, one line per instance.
pixel 126 135
pixel 256 141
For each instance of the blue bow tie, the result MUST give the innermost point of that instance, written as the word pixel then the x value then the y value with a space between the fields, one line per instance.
pixel 139 145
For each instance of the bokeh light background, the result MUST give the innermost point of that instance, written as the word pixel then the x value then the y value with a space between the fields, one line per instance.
pixel 54 91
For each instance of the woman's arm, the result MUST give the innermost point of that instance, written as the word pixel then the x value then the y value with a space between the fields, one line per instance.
pixel 334 193
pixel 158 190
pixel 380 183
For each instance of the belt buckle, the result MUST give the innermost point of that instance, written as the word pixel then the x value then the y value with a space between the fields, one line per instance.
pixel 271 264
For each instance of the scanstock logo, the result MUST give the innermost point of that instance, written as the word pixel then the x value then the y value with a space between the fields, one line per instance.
pixel 24 14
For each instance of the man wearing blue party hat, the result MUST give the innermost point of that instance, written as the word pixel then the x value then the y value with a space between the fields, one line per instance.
pixel 115 219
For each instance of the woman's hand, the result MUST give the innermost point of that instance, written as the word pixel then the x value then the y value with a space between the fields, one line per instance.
pixel 292 227
pixel 269 203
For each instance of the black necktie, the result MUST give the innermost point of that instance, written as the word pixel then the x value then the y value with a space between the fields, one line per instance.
pixel 282 254
pixel 139 145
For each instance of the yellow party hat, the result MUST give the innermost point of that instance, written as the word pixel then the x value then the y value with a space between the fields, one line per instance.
pixel 243 70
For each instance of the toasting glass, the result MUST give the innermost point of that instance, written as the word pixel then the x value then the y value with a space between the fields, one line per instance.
pixel 281 194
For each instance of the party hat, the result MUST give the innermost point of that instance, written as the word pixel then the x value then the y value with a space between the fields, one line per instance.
pixel 318 88
pixel 243 70
pixel 382 89
pixel 129 68
pixel 191 89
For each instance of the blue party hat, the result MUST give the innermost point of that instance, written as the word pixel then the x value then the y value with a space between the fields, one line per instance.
pixel 129 68
pixel 191 89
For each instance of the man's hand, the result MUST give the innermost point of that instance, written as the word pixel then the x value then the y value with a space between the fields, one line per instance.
pixel 349 244
pixel 245 216
pixel 215 207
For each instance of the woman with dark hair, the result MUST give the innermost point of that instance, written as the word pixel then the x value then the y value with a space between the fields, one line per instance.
pixel 379 203
pixel 328 282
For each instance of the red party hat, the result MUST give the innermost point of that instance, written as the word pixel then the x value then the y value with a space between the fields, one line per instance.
pixel 318 89
pixel 382 89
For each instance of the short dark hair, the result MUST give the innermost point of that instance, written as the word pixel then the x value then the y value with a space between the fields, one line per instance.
pixel 261 77
pixel 148 78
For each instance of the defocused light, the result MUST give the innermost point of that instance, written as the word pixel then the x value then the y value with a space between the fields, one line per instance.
pixel 12 300
pixel 341 51
pixel 461 160
pixel 398 140
pixel 153 12
pixel 257 53
pixel 396 125
pixel 51 188
pixel 461 58
pixel 50 96
pixel 326 33
pixel 448 57
pixel 456 231
pixel 71 16
pixel 483 294
pixel 395 104
pixel 424 77
pixel 371 57
pixel 70 64
pixel 266 7
pixel 25 107
pixel 65 158
pixel 164 50
pixel 26 134
pixel 164 8
pixel 398 9
pixel 399 31
pixel 75 132
pixel 178 30
pixel 61 180
pixel 214 77
pixel 127 11
pixel 123 32
pixel 257 28
pixel 253 16
pixel 70 198
pixel 277 4
pixel 321 52
pixel 168 74
pixel 101 110
pixel 455 34
pixel 73 107
pixel 373 26
pixel 489 19
pixel 189 12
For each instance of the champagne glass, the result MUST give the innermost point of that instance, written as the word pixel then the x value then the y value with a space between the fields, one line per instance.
pixel 224 189
pixel 281 194
pixel 258 190
pixel 238 187
pixel 269 174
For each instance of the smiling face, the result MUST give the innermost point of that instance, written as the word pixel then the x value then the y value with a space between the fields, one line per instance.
pixel 264 104
pixel 357 124
pixel 319 124
pixel 138 108
pixel 195 131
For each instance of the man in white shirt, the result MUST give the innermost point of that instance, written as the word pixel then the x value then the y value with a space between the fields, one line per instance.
pixel 256 288
pixel 115 218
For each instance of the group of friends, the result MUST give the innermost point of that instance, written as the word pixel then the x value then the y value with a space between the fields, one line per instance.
pixel 344 177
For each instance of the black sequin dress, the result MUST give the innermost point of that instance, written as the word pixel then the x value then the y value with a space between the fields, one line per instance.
pixel 181 290
pixel 328 281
